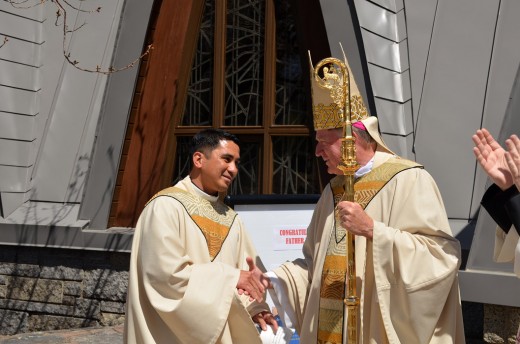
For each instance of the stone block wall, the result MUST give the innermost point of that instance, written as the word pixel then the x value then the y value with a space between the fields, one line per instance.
pixel 501 323
pixel 49 289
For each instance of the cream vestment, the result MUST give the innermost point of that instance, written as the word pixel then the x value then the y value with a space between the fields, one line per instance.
pixel 504 208
pixel 184 267
pixel 507 248
pixel 407 275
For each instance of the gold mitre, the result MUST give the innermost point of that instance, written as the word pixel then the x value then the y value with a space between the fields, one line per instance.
pixel 334 93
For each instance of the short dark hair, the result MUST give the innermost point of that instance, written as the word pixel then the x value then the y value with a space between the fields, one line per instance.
pixel 207 140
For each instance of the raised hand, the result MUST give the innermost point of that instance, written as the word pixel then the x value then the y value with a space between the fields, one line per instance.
pixel 253 282
pixel 491 157
pixel 513 158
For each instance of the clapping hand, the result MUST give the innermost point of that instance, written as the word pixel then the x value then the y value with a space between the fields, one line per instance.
pixel 492 158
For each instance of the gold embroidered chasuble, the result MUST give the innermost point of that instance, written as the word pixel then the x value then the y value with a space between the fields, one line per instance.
pixel 406 274
pixel 185 246
pixel 332 309
pixel 213 218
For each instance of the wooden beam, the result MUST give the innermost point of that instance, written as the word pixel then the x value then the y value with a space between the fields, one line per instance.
pixel 169 64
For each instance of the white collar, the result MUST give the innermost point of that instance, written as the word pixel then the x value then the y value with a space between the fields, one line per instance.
pixel 364 169
pixel 202 194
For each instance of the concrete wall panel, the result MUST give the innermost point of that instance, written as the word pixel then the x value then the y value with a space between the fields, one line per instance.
pixel 453 96
pixel 20 28
pixel 400 145
pixel 27 10
pixel 16 153
pixel 14 178
pixel 395 118
pixel 420 16
pixel 18 127
pixel 385 53
pixel 12 200
pixel 18 101
pixel 61 169
pixel 18 75
pixel 23 52
pixel 390 85
pixel 381 21
pixel 391 5
pixel 112 128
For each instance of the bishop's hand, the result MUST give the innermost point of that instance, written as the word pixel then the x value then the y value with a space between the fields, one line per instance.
pixel 353 218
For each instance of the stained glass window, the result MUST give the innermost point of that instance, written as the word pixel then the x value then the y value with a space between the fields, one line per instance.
pixel 293 166
pixel 291 107
pixel 244 62
pixel 247 180
pixel 247 68
pixel 199 98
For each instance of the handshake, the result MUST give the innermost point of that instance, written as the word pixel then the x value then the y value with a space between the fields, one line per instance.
pixel 253 282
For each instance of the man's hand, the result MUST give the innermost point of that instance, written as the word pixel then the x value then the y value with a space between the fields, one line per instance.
pixel 491 157
pixel 253 282
pixel 513 158
pixel 354 219
pixel 266 318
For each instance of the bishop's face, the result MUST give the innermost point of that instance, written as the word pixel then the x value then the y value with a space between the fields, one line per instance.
pixel 328 147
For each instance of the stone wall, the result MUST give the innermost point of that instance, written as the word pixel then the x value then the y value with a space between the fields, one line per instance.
pixel 501 323
pixel 48 289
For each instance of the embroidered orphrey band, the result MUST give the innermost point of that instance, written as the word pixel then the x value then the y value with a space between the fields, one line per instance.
pixel 213 218
pixel 333 279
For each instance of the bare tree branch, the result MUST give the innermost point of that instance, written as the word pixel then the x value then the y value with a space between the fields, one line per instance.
pixel 110 69
pixel 4 42
pixel 21 4
pixel 61 19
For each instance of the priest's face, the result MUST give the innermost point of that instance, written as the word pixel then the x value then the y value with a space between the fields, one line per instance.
pixel 219 167
pixel 328 148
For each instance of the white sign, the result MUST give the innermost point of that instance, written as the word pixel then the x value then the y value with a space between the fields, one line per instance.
pixel 262 220
pixel 278 232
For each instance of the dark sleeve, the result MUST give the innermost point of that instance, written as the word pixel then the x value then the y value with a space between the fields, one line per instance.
pixel 513 210
pixel 503 206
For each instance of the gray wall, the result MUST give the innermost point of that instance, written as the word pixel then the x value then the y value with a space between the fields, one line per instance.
pixel 61 128
pixel 440 70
